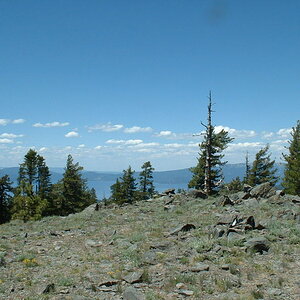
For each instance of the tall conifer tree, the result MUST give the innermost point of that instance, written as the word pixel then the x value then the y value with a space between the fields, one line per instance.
pixel 208 171
pixel 262 168
pixel 291 180
pixel 5 198
pixel 146 180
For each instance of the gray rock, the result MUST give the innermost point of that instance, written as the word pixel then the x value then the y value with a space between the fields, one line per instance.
pixel 186 292
pixel 150 258
pixel 219 231
pixel 168 192
pixel 225 267
pixel 234 236
pixel 134 277
pixel 264 190
pixel 257 245
pixel 200 267
pixel 94 244
pixel 251 202
pixel 184 228
pixel 196 194
pixel 160 245
pixel 131 293
pixel 224 200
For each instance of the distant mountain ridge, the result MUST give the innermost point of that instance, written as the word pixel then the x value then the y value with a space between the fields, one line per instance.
pixel 102 181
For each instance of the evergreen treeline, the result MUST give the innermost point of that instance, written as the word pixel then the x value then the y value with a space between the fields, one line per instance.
pixel 127 190
pixel 35 196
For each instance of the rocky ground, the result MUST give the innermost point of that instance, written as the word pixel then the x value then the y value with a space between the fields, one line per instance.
pixel 177 246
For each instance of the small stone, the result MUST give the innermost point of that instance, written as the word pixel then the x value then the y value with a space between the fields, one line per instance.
pixel 186 292
pixel 225 267
pixel 64 291
pixel 131 293
pixel 184 228
pixel 200 267
pixel 134 277
pixel 149 257
pixel 92 243
pixel 180 285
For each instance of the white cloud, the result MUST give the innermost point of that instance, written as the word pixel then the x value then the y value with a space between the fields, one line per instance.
pixel 72 134
pixel 43 149
pixel 52 124
pixel 136 129
pixel 81 146
pixel 284 132
pixel 168 134
pixel 98 147
pixel 6 141
pixel 236 133
pixel 18 121
pixel 174 145
pixel 142 145
pixel 10 135
pixel 124 142
pixel 165 133
pixel 243 146
pixel 106 127
pixel 267 135
pixel 4 122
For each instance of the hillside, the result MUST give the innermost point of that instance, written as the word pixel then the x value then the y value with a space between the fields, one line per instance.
pixel 102 181
pixel 245 246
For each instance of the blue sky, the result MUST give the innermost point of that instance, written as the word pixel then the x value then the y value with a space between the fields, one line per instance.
pixel 121 82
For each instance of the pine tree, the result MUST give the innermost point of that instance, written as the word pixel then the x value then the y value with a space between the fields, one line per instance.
pixel 73 188
pixel 129 185
pixel 43 178
pixel 30 166
pixel 235 185
pixel 198 178
pixel 5 198
pixel 247 171
pixel 124 190
pixel 27 205
pixel 35 172
pixel 146 181
pixel 34 186
pixel 291 180
pixel 208 171
pixel 117 194
pixel 262 168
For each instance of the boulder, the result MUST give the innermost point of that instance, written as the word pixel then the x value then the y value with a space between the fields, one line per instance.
pixel 134 277
pixel 264 190
pixel 168 192
pixel 200 267
pixel 224 200
pixel 184 228
pixel 257 245
pixel 196 194
pixel 131 293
